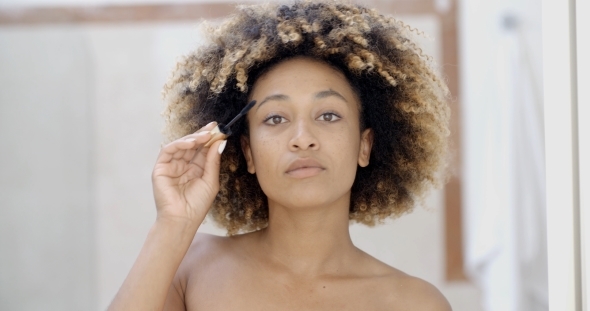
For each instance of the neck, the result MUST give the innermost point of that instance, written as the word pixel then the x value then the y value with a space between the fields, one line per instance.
pixel 309 241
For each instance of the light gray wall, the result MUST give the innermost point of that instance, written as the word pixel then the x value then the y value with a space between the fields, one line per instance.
pixel 47 241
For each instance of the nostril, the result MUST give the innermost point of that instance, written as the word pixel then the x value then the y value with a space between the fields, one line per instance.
pixel 303 140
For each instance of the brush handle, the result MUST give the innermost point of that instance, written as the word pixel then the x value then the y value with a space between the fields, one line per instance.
pixel 216 135
pixel 241 114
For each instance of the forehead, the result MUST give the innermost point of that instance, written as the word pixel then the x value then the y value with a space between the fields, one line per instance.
pixel 303 74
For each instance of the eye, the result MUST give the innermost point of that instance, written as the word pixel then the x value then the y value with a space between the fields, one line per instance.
pixel 274 120
pixel 329 117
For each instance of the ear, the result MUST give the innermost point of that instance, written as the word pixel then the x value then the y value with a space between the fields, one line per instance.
pixel 245 142
pixel 365 148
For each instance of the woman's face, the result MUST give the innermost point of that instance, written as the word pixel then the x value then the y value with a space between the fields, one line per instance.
pixel 305 141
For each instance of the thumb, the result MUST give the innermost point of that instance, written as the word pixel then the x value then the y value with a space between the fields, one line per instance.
pixel 212 163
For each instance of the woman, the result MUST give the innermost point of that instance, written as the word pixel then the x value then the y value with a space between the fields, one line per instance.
pixel 350 124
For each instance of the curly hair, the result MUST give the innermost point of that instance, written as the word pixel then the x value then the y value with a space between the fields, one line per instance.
pixel 403 100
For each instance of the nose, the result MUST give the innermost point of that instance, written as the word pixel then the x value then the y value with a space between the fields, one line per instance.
pixel 303 137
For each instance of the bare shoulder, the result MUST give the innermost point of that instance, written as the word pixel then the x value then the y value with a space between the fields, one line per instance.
pixel 205 245
pixel 209 252
pixel 417 294
pixel 204 250
pixel 405 292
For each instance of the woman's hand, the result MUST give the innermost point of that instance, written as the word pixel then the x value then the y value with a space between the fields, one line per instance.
pixel 186 177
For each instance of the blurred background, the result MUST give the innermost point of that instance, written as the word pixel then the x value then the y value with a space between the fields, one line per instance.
pixel 80 129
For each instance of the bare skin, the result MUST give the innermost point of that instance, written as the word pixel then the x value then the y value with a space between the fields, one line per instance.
pixel 304 260
pixel 221 273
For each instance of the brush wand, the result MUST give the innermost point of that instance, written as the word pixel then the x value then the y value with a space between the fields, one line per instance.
pixel 222 131
pixel 225 129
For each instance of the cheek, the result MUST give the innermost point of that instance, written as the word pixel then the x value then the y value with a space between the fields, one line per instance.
pixel 343 143
pixel 265 153
pixel 345 154
pixel 343 150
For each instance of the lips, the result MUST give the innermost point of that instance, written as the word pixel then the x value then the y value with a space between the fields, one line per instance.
pixel 304 167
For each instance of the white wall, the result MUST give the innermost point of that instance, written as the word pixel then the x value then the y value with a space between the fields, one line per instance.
pixel 567 71
pixel 99 87
pixel 47 223
pixel 583 73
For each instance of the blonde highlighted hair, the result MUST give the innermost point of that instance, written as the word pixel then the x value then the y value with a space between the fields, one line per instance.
pixel 402 98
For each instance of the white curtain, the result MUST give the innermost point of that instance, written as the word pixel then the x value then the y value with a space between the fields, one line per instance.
pixel 504 192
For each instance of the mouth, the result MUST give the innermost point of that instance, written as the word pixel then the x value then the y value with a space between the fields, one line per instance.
pixel 304 168
pixel 305 172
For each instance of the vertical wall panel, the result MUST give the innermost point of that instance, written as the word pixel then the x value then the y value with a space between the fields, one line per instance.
pixel 559 66
pixel 46 229
pixel 583 73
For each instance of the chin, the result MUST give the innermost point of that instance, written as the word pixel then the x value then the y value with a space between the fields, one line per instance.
pixel 313 196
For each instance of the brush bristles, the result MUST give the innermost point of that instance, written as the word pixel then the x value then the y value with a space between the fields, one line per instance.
pixel 225 128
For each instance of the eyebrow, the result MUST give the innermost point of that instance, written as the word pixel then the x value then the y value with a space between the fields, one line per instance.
pixel 318 95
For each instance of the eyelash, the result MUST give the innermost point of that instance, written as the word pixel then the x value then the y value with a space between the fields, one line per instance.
pixel 272 117
pixel 333 114
pixel 323 114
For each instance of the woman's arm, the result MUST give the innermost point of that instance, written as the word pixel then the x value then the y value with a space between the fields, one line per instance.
pixel 149 280
pixel 185 182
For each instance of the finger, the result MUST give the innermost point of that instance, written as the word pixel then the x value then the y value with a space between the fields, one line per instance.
pixel 172 149
pixel 212 163
pixel 179 154
pixel 208 127
pixel 198 136
pixel 189 155
pixel 200 156
pixel 205 128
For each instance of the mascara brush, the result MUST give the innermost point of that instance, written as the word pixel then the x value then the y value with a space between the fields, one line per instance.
pixel 222 131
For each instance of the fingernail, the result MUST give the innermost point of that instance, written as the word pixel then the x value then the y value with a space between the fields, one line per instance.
pixel 221 146
pixel 203 133
pixel 210 123
pixel 190 139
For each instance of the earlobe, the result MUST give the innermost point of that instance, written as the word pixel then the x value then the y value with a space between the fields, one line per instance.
pixel 245 142
pixel 365 148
